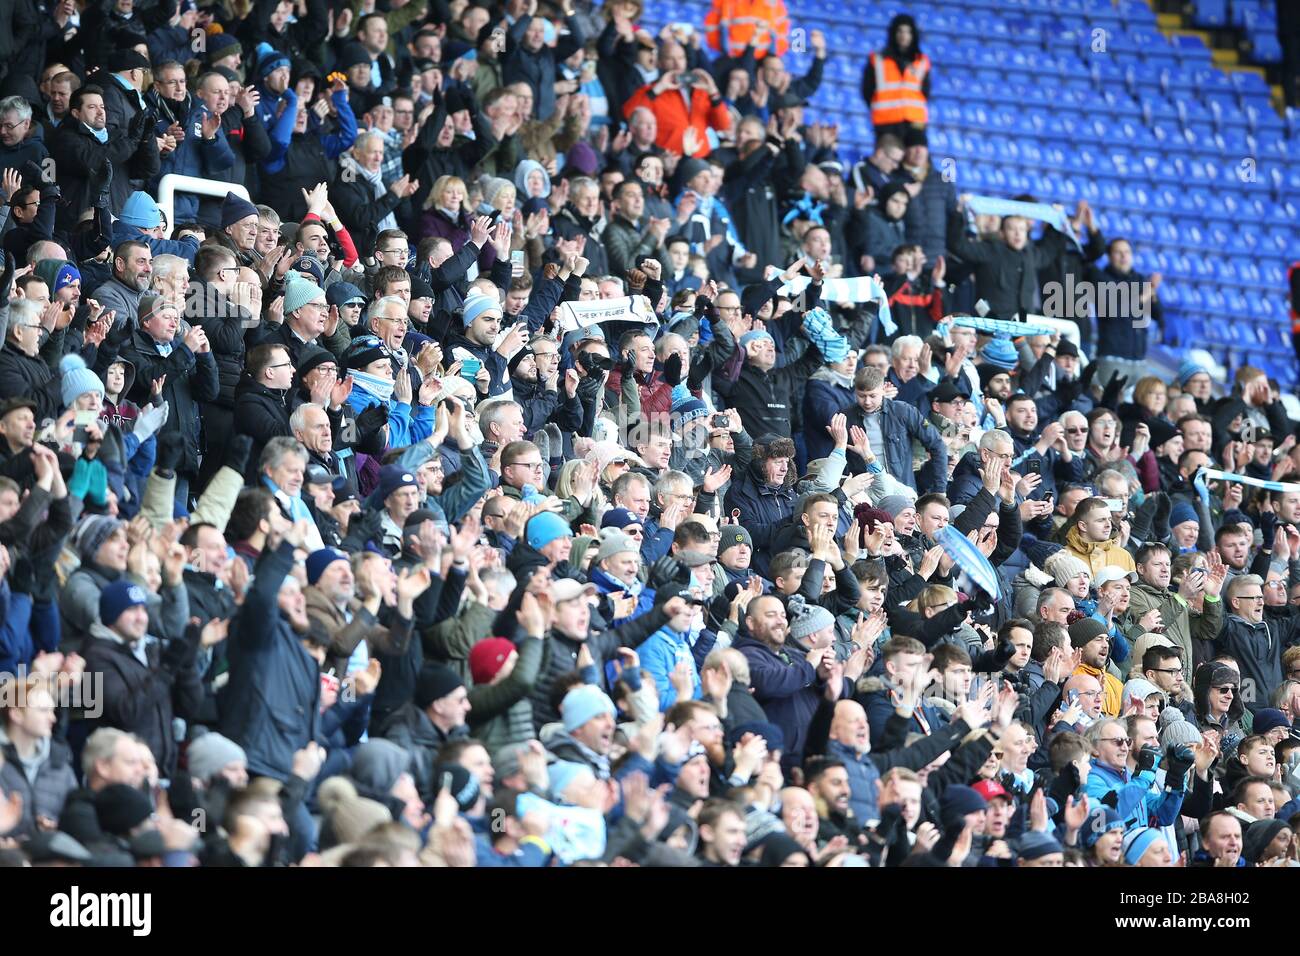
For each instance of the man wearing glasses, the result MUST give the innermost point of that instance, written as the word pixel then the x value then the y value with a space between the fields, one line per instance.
pixel 1255 641
pixel 1134 793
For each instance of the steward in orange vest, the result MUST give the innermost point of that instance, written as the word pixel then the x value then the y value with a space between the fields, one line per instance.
pixel 737 21
pixel 896 80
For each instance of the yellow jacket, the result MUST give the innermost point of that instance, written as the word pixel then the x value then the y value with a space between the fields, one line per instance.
pixel 1098 554
pixel 1112 691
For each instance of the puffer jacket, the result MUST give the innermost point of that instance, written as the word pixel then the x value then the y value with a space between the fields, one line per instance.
pixel 764 509
pixel 412 730
pixel 44 782
pixel 1258 649
pixel 225 324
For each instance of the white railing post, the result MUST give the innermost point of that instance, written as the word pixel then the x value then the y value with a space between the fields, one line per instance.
pixel 173 183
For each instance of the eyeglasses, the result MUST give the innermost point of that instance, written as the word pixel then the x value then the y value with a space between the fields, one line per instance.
pixel 534 465
pixel 282 365
pixel 10 127
pixel 1121 742
pixel 390 252
pixel 1076 431
pixel 1165 670
pixel 1225 689
pixel 222 271
pixel 635 533
pixel 1250 597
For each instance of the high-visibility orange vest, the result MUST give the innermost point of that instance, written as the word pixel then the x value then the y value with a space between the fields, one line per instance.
pixel 739 20
pixel 898 97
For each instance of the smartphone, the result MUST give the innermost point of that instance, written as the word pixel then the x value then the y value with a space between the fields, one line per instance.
pixel 1071 698
pixel 1032 466
pixel 721 421
pixel 1114 504
pixel 469 368
pixel 517 263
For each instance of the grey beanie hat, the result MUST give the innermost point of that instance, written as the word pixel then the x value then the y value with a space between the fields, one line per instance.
pixel 1178 731
pixel 207 755
pixel 807 619
pixel 894 505
pixel 614 541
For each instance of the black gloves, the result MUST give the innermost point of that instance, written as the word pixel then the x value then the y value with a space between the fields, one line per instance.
pixel 1143 516
pixel 1268 528
pixel 1160 521
pixel 171 449
pixel 1147 758
pixel 372 419
pixel 626 363
pixel 673 370
pixel 1111 799
pixel 1110 394
pixel 1178 761
pixel 365 527
pixel 700 370
pixel 664 571
pixel 237 452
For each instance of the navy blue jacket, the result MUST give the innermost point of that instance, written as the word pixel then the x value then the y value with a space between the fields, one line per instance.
pixel 821 401
pixel 899 425
pixel 271 704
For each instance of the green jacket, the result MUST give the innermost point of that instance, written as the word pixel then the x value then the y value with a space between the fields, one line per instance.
pixel 1182 624
pixel 501 714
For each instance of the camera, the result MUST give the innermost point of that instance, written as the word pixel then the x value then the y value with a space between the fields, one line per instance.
pixel 720 421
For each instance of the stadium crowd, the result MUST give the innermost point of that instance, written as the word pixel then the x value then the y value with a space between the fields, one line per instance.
pixel 532 445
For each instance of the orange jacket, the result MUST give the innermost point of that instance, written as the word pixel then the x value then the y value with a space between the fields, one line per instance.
pixel 670 112
pixel 738 19
pixel 898 97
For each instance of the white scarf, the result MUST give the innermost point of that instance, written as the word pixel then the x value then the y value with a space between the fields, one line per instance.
pixel 376 181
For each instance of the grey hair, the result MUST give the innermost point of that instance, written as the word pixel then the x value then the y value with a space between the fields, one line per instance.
pixel 378 306
pixel 672 479
pixel 581 184
pixel 22 309
pixel 499 580
pixel 668 344
pixel 166 264
pixel 298 420
pixel 276 450
pixel 905 341
pixel 1098 730
pixel 101 745
pixel 16 104
pixel 362 137
pixel 492 413
pixel 1240 581
pixel 995 436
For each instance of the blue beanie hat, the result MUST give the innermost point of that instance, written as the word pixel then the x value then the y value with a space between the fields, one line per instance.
pixel 234 208
pixel 1000 353
pixel 1038 551
pixel 299 292
pixel 618 518
pixel 1034 845
pixel 141 211
pixel 545 528
pixel 689 410
pixel 77 379
pixel 344 293
pixel 1101 820
pixel 318 561
pixel 1182 512
pixel 476 305
pixel 582 704
pixel 561 774
pixel 1137 842
pixel 67 274
pixel 1187 368
pixel 754 337
pixel 393 477
pixel 269 59
pixel 117 598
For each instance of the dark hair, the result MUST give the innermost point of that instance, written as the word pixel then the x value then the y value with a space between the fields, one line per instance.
pixel 1047 635
pixel 252 507
pixel 1024 624
pixel 260 357
pixel 690 532
pixel 74 101
pixel 1238 794
pixel 210 259
pixel 1157 654
pixel 387 274
pixel 950 655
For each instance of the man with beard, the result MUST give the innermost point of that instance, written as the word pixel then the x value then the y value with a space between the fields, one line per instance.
pixel 132 273
pixel 1091 637
pixel 534 382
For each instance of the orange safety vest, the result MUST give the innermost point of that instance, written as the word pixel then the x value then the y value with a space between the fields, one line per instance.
pixel 740 20
pixel 898 97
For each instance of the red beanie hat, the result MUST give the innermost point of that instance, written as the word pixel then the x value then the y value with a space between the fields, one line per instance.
pixel 487 657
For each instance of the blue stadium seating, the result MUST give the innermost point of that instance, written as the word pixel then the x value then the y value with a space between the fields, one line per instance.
pixel 1191 162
